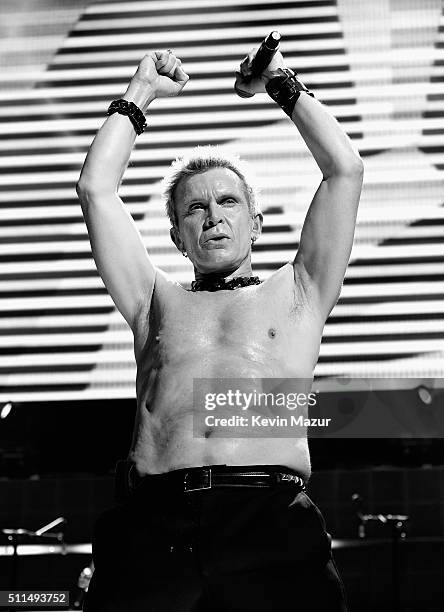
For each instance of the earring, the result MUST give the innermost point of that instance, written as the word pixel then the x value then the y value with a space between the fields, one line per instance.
pixel 184 253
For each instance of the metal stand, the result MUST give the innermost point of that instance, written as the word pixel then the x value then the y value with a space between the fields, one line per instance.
pixel 397 522
pixel 83 585
pixel 14 536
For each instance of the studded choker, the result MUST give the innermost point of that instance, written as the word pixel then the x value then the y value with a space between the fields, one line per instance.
pixel 216 284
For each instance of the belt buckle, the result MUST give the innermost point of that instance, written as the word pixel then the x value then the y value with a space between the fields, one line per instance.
pixel 291 478
pixel 207 482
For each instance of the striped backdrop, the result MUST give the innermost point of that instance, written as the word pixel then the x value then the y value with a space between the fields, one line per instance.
pixel 378 65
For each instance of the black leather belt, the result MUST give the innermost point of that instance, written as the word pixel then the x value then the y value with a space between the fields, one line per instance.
pixel 207 477
pixel 198 479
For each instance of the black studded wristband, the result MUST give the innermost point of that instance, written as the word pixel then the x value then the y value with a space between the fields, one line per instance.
pixel 133 112
pixel 285 89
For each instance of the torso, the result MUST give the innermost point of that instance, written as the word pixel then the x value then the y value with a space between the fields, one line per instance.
pixel 261 331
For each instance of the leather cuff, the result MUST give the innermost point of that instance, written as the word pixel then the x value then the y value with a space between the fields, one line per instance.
pixel 129 109
pixel 285 89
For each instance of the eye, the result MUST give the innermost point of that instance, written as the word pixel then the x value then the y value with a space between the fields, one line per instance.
pixel 195 206
pixel 229 200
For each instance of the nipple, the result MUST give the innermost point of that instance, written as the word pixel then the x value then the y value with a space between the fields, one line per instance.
pixel 272 332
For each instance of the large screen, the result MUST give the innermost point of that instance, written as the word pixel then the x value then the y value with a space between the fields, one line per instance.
pixel 379 67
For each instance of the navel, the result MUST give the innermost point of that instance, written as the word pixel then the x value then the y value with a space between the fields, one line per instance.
pixel 272 332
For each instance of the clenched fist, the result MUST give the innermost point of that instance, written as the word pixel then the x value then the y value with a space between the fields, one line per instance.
pixel 159 75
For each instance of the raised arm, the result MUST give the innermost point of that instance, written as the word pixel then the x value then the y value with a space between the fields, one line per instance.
pixel 117 247
pixel 328 230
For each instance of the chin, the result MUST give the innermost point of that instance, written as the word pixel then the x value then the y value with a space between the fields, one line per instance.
pixel 217 264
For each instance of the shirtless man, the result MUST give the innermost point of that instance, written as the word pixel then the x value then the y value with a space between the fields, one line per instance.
pixel 215 523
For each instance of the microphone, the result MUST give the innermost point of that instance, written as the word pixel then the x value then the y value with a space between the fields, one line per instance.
pixel 263 57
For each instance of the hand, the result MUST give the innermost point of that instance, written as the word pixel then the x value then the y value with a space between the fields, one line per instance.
pixel 159 75
pixel 257 84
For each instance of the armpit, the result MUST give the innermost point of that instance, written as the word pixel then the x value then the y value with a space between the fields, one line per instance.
pixel 305 291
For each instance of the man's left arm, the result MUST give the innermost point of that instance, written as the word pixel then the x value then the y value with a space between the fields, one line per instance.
pixel 328 230
pixel 327 234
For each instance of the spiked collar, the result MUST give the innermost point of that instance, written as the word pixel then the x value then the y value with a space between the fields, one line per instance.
pixel 216 284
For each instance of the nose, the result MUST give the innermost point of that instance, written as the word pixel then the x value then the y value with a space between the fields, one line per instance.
pixel 213 214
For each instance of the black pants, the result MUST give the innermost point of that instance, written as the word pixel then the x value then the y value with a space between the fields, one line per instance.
pixel 217 550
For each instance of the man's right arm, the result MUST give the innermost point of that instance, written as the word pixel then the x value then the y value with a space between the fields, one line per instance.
pixel 117 247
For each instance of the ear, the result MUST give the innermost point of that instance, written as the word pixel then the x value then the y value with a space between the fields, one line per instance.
pixel 256 230
pixel 175 237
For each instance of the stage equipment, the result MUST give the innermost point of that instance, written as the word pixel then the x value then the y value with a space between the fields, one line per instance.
pixel 6 409
pixel 82 585
pixel 397 523
pixel 14 536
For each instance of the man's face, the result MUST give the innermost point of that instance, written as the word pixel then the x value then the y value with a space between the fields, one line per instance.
pixel 215 226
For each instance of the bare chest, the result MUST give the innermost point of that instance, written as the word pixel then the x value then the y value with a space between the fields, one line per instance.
pixel 263 324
